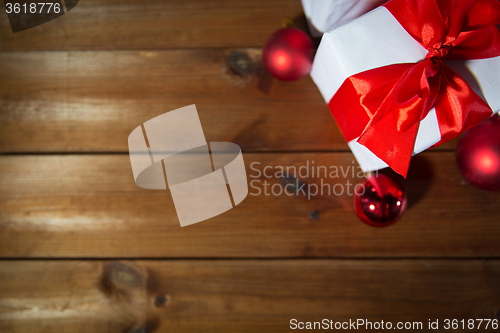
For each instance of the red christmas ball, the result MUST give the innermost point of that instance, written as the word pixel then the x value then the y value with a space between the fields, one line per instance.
pixel 288 54
pixel 478 154
pixel 382 201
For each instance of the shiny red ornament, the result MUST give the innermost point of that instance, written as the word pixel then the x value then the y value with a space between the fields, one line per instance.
pixel 382 201
pixel 478 154
pixel 288 54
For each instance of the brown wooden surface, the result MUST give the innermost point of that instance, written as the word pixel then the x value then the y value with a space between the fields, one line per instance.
pixel 240 296
pixel 73 89
pixel 89 206
pixel 155 24
pixel 91 101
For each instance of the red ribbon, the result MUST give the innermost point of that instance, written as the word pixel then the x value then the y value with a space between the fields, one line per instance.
pixel 386 104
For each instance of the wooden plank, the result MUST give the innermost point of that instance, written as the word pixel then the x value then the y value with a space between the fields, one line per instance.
pixel 155 24
pixel 89 206
pixel 91 101
pixel 240 296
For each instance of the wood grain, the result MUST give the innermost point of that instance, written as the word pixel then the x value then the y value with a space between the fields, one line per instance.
pixel 239 296
pixel 91 101
pixel 155 24
pixel 83 82
pixel 89 206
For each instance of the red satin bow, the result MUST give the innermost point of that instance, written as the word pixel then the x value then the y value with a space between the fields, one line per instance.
pixel 392 100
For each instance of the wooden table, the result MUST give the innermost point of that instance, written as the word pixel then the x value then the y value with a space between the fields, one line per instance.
pixel 83 249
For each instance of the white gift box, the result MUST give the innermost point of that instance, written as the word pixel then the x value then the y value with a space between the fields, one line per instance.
pixel 326 15
pixel 377 39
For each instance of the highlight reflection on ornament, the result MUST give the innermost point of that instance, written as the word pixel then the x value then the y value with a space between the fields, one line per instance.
pixel 478 154
pixel 288 54
pixel 382 203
